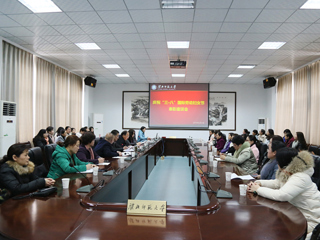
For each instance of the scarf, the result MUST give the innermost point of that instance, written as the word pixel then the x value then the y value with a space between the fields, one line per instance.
pixel 91 152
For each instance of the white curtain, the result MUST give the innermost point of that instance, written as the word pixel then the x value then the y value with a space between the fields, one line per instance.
pixel 284 104
pixel 16 86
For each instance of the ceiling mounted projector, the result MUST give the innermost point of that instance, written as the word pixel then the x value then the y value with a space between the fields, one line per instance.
pixel 178 64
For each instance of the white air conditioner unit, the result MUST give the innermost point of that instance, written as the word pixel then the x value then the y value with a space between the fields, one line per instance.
pixel 8 123
pixel 262 124
pixel 97 120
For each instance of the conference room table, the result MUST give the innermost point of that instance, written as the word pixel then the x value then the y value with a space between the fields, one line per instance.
pixel 68 214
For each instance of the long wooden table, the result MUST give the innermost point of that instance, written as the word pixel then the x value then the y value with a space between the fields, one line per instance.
pixel 71 215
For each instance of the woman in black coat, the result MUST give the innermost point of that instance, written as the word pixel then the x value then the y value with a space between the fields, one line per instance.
pixel 42 139
pixel 17 172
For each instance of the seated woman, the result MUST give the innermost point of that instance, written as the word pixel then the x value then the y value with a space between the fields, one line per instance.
pixel 211 136
pixel 255 133
pixel 289 139
pixel 132 137
pixel 245 133
pixel 228 143
pixel 270 134
pixel 254 144
pixel 293 184
pixel 42 139
pixel 243 155
pixel 262 136
pixel 64 159
pixel 221 141
pixel 141 135
pixel 17 172
pixel 85 152
pixel 104 147
pixel 61 135
pixel 300 142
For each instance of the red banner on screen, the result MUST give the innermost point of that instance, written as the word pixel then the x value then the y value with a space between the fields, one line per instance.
pixel 178 106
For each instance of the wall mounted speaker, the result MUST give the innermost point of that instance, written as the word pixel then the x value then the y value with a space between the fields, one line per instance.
pixel 90 81
pixel 269 82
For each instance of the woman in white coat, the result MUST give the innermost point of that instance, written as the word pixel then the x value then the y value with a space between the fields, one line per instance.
pixel 293 184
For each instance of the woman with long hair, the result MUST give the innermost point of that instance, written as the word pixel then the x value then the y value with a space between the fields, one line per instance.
pixel 254 145
pixel 17 172
pixel 42 139
pixel 300 142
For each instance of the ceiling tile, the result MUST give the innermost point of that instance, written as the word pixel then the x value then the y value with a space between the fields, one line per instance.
pixel 95 28
pixel 178 15
pixel 142 4
pixel 69 29
pixel 213 4
pixel 274 15
pixel 128 37
pixel 178 27
pixel 143 16
pixel 235 27
pixel 242 15
pixel 150 27
pixel 210 15
pixel 7 22
pixel 249 3
pixel 55 18
pixel 28 19
pixel 229 37
pixel 115 16
pixel 152 37
pixel 263 27
pixel 73 5
pixel 99 5
pixel 122 28
pixel 44 30
pixel 84 17
pixel 19 31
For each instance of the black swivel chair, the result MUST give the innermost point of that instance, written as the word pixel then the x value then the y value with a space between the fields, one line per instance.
pixel 48 150
pixel 262 150
pixel 316 233
pixel 36 156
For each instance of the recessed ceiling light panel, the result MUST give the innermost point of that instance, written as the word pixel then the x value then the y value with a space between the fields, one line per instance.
pixel 271 45
pixel 40 6
pixel 235 75
pixel 177 4
pixel 88 46
pixel 178 75
pixel 176 44
pixel 122 75
pixel 247 66
pixel 111 65
pixel 311 4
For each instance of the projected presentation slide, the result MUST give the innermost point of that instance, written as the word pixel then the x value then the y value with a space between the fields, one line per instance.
pixel 178 106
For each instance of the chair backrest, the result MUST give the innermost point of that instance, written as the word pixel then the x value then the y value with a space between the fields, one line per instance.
pixel 315 233
pixel 96 141
pixel 36 156
pixel 48 150
pixel 314 149
pixel 262 150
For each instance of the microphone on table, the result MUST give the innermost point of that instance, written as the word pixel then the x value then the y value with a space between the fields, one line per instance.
pixel 86 188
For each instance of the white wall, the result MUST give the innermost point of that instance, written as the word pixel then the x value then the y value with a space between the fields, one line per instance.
pixel 253 102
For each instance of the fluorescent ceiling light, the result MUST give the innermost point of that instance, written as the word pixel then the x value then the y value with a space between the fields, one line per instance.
pixel 246 66
pixel 177 4
pixel 235 75
pixel 122 75
pixel 178 75
pixel 88 46
pixel 111 65
pixel 40 6
pixel 271 45
pixel 175 44
pixel 311 4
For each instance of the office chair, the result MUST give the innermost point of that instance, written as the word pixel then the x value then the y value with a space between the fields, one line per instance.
pixel 316 233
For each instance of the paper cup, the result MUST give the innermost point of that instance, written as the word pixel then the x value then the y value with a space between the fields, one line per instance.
pixel 243 189
pixel 228 176
pixel 65 182
pixel 211 158
pixel 215 164
pixel 95 171
pixel 133 154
